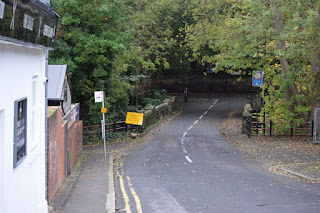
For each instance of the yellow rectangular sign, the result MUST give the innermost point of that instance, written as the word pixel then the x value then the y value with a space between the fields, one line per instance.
pixel 103 110
pixel 134 118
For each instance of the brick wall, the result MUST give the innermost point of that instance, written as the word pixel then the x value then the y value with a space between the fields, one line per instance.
pixel 74 141
pixel 56 163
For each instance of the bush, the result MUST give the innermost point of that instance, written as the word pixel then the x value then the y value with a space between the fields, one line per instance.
pixel 157 97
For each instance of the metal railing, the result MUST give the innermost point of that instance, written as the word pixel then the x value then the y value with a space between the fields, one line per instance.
pixel 255 128
pixel 119 128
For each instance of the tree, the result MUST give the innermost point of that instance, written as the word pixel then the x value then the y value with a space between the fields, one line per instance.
pixel 279 37
pixel 89 36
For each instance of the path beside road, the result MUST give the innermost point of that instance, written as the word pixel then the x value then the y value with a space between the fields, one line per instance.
pixel 92 189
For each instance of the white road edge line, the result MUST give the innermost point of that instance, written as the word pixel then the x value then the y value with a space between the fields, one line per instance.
pixel 187 157
pixel 216 101
pixel 190 128
pixel 201 117
pixel 210 107
pixel 196 122
pixel 205 113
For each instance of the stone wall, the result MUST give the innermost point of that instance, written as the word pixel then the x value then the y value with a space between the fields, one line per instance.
pixel 197 82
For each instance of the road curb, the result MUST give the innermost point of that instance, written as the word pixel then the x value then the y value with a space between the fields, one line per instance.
pixel 292 173
pixel 306 178
pixel 110 204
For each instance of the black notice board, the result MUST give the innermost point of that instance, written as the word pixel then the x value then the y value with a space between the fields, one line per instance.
pixel 20 131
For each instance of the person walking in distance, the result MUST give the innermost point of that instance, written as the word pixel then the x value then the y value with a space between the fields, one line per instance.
pixel 185 94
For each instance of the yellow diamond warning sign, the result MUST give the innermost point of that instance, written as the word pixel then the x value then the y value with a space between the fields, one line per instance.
pixel 134 118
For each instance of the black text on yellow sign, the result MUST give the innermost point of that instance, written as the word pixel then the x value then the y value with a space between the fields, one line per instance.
pixel 134 118
pixel 103 110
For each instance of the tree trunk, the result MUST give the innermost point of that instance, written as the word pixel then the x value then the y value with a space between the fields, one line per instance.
pixel 315 68
pixel 291 90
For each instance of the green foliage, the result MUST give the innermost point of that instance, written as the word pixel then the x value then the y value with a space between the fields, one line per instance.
pixel 89 37
pixel 247 35
pixel 156 99
pixel 120 46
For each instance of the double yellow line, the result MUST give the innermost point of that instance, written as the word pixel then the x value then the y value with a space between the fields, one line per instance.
pixel 125 195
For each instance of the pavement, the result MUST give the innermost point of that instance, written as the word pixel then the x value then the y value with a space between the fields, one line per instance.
pixel 90 187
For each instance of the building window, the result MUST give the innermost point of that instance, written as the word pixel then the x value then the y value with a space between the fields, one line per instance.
pixel 20 131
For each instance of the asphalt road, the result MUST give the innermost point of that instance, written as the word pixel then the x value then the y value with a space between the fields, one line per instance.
pixel 188 167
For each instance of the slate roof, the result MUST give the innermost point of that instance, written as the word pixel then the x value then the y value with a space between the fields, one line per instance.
pixel 56 74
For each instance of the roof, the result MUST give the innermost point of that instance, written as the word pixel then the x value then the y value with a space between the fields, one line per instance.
pixel 56 74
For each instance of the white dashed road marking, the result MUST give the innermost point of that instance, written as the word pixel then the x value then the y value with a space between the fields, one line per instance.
pixel 197 121
pixel 187 157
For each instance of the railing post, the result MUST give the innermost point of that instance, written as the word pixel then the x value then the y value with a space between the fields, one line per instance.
pixel 312 126
pixel 270 128
pixel 114 126
pixel 248 127
pixel 264 123
pixel 291 129
pixel 126 125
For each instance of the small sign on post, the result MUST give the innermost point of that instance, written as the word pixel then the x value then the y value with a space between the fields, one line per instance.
pixel 98 96
pixel 103 110
pixel 257 78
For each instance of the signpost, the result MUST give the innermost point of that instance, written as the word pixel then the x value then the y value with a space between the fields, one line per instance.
pixel 99 97
pixel 257 78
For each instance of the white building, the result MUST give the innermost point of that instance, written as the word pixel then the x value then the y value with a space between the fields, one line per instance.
pixel 27 32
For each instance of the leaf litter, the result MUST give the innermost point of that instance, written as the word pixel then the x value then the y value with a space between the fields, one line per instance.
pixel 297 156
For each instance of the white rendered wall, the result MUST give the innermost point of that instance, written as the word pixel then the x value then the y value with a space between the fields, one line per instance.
pixel 22 71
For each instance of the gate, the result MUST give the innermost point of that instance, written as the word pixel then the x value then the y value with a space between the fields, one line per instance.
pixel 316 130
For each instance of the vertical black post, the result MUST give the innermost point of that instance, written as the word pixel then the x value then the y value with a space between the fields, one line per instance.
pixel 248 127
pixel 126 125
pixel 270 128
pixel 114 126
pixel 264 123
pixel 312 126
pixel 291 129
